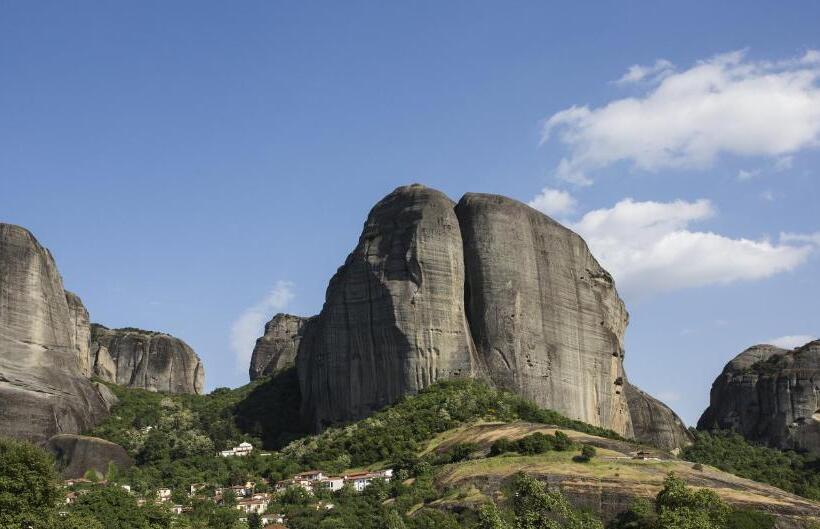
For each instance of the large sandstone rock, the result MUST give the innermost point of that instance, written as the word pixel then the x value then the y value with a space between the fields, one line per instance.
pixel 77 454
pixel 80 332
pixel 393 320
pixel 277 348
pixel 769 395
pixel 43 390
pixel 146 359
pixel 545 316
pixel 654 422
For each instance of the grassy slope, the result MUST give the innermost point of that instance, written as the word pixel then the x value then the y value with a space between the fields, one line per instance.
pixel 612 472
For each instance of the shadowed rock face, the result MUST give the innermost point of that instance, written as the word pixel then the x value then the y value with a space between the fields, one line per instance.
pixel 654 423
pixel 42 388
pixel 545 316
pixel 769 395
pixel 277 348
pixel 80 332
pixel 393 321
pixel 77 454
pixel 147 360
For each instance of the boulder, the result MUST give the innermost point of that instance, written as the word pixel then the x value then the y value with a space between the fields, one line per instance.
pixel 654 423
pixel 393 321
pixel 43 389
pixel 146 359
pixel 770 396
pixel 276 349
pixel 77 454
pixel 545 316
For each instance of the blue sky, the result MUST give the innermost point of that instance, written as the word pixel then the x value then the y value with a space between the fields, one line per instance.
pixel 196 166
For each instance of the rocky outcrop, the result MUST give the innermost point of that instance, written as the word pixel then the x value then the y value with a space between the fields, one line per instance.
pixel 770 396
pixel 146 359
pixel 489 288
pixel 545 316
pixel 77 454
pixel 80 332
pixel 277 348
pixel 393 320
pixel 43 390
pixel 654 423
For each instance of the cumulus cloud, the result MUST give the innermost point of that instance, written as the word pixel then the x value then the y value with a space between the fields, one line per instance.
pixel 553 202
pixel 250 324
pixel 791 341
pixel 811 238
pixel 724 105
pixel 637 73
pixel 651 247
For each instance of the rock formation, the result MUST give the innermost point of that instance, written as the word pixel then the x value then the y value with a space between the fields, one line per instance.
pixel 544 315
pixel 146 359
pixel 276 349
pixel 770 396
pixel 77 454
pixel 81 332
pixel 43 390
pixel 393 320
pixel 654 423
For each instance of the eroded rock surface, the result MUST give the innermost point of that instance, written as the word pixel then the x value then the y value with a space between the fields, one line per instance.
pixel 545 316
pixel 77 454
pixel 146 359
pixel 770 396
pixel 277 348
pixel 43 390
pixel 393 321
pixel 654 422
pixel 80 332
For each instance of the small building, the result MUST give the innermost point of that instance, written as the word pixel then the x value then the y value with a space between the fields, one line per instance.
pixel 177 509
pixel 243 450
pixel 252 506
pixel 163 495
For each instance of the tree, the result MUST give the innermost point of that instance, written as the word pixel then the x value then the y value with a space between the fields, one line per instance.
pixel 28 485
pixel 254 521
pixel 113 507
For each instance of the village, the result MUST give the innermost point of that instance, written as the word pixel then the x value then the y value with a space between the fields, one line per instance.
pixel 247 498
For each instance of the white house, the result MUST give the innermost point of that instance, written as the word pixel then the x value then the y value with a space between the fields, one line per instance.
pixel 163 495
pixel 244 449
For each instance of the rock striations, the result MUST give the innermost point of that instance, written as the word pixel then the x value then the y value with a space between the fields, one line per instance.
pixel 276 349
pixel 489 288
pixel 43 388
pixel 146 359
pixel 654 422
pixel 545 316
pixel 80 332
pixel 393 321
pixel 770 396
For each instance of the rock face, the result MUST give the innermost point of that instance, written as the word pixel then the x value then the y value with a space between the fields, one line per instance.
pixel 770 396
pixel 43 390
pixel 545 316
pixel 146 359
pixel 277 349
pixel 393 320
pixel 654 423
pixel 81 332
pixel 77 454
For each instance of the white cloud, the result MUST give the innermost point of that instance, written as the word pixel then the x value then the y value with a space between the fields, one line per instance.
pixel 743 174
pixel 649 247
pixel 637 73
pixel 784 163
pixel 791 341
pixel 811 238
pixel 767 195
pixel 724 105
pixel 553 202
pixel 250 324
